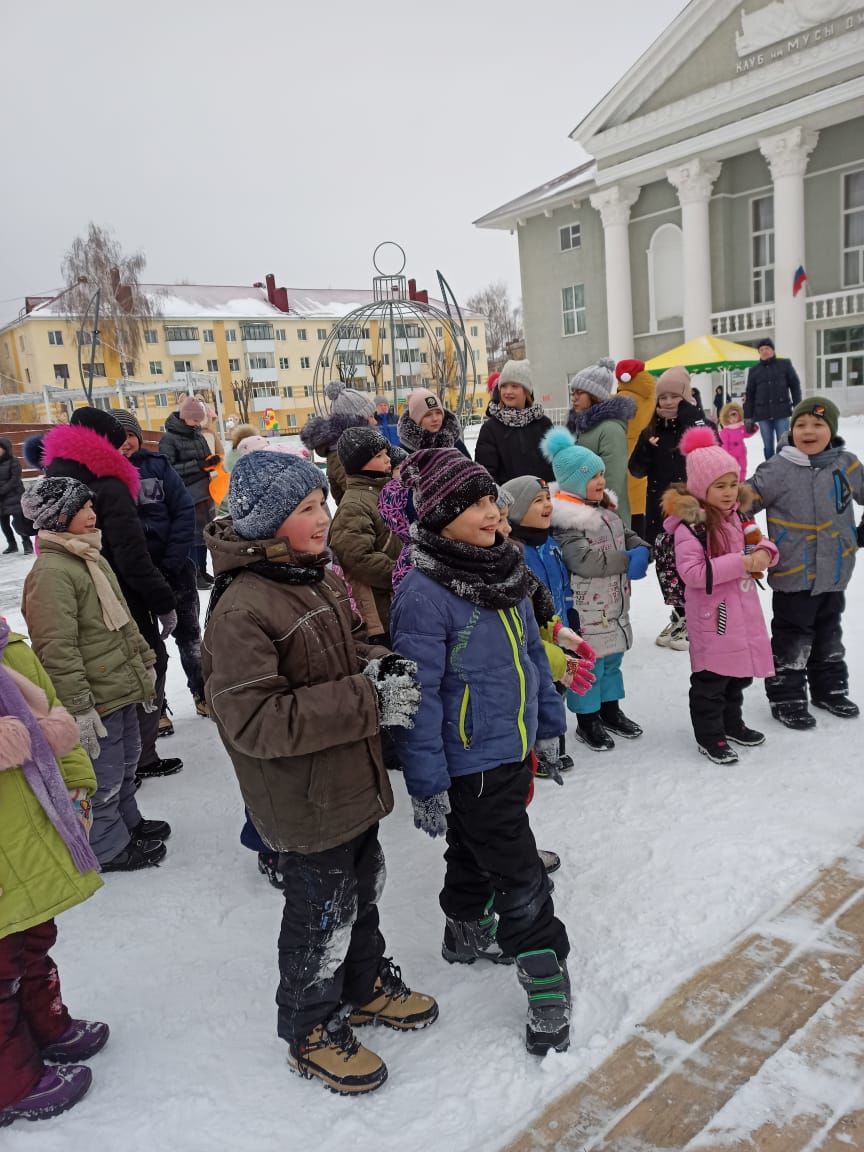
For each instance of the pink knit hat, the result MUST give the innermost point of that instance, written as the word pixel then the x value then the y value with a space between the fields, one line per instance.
pixel 421 401
pixel 193 409
pixel 706 460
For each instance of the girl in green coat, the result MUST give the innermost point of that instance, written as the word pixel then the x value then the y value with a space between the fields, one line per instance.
pixel 46 866
pixel 598 421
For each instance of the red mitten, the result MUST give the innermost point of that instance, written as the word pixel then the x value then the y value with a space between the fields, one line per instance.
pixel 15 745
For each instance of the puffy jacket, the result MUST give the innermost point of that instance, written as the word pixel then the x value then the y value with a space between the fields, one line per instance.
pixel 285 686
pixel 592 540
pixel 186 448
pixel 808 500
pixel 488 694
pixel 547 563
pixel 732 438
pixel 89 665
pixel 507 451
pixel 387 426
pixel 11 484
pixel 725 627
pixel 366 549
pixel 72 450
pixel 663 465
pixel 165 509
pixel 319 434
pixel 38 879
pixel 773 390
pixel 602 429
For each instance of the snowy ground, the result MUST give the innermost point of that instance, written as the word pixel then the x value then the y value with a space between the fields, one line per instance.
pixel 666 859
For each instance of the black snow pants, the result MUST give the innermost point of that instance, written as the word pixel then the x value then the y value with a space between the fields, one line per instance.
pixel 492 861
pixel 715 705
pixel 807 641
pixel 187 635
pixel 330 946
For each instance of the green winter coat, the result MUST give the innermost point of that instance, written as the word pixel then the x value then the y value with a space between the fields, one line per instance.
pixel 89 665
pixel 37 877
pixel 602 429
pixel 366 549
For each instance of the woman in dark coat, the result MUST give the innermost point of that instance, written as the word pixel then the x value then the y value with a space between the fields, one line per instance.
pixel 11 491
pixel 508 445
pixel 187 450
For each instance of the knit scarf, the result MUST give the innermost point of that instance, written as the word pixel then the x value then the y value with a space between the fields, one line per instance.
pixel 300 569
pixel 493 577
pixel 41 771
pixel 415 437
pixel 535 537
pixel 515 417
pixel 88 547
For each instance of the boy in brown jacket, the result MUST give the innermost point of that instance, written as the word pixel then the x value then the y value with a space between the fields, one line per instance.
pixel 299 705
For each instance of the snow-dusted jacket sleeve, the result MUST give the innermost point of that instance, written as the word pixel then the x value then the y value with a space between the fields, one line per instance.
pixel 419 633
pixel 551 716
pixel 262 714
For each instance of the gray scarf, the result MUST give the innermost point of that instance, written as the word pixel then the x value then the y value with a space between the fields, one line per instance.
pixel 515 417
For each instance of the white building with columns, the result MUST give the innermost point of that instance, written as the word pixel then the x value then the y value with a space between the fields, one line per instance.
pixel 728 157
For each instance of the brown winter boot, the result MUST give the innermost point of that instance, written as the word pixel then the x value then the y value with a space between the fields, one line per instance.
pixel 394 1004
pixel 332 1054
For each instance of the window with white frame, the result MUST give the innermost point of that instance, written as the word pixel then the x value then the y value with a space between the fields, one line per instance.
pixel 439 331
pixel 666 279
pixel 151 336
pixel 322 333
pixel 161 400
pixel 762 248
pixel 291 420
pixel 209 336
pixel 840 358
pixel 570 237
pixel 155 367
pixel 256 331
pixel 231 335
pixel 61 371
pixel 853 229
pixel 233 365
pixel 288 392
pixel 55 337
pixel 573 310
pixel 127 368
pixel 475 331
pixel 305 362
pixel 280 334
pixel 259 362
pixel 307 391
pixel 301 333
pixel 180 332
pixel 212 365
pixel 181 366
pixel 284 363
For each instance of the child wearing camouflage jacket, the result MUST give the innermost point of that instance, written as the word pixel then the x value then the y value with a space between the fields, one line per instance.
pixel 807 491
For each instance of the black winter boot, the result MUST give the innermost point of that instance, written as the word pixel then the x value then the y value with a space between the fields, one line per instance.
pixel 615 721
pixel 718 752
pixel 12 547
pixel 28 546
pixel 838 705
pixel 794 714
pixel 746 737
pixel 468 940
pixel 548 987
pixel 592 732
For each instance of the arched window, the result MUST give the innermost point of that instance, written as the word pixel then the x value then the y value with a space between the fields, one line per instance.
pixel 666 278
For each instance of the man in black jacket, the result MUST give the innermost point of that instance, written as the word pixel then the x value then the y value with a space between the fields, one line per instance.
pixel 773 390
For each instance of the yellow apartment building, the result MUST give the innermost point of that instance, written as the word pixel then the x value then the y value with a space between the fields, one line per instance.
pixel 213 337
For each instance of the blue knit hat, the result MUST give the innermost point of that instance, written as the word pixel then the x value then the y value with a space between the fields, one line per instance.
pixel 573 466
pixel 265 489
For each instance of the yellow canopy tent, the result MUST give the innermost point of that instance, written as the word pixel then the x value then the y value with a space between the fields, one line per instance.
pixel 704 354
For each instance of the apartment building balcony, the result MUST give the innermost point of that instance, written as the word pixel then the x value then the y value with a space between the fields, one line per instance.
pixel 262 375
pixel 741 322
pixel 262 403
pixel 183 347
pixel 253 346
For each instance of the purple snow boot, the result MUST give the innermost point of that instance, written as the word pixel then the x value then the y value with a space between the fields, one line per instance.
pixel 81 1040
pixel 58 1090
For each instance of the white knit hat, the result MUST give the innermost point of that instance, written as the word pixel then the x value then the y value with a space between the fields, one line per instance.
pixel 517 372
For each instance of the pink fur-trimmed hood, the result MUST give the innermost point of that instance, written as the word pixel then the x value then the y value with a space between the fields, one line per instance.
pixel 84 446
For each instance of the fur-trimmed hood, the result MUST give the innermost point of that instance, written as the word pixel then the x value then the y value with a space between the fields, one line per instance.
pixel 91 451
pixel 576 516
pixel 413 437
pixel 682 508
pixel 618 407
pixel 320 433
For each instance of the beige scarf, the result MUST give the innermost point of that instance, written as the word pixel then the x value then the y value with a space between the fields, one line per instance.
pixel 88 547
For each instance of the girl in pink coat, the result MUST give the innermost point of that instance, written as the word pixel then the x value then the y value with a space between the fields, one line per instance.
pixel 729 643
pixel 733 432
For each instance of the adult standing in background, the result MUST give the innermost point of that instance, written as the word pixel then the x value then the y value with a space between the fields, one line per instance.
pixel 773 390
pixel 598 421
pixel 188 450
pixel 508 445
pixel 11 491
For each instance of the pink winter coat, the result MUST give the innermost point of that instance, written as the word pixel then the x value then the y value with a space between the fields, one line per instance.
pixel 732 438
pixel 726 629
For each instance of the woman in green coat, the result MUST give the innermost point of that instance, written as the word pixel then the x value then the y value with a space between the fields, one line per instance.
pixel 598 421
pixel 46 866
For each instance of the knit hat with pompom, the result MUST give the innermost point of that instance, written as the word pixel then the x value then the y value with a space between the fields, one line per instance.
pixel 573 465
pixel 445 483
pixel 54 501
pixel 348 401
pixel 706 460
pixel 598 380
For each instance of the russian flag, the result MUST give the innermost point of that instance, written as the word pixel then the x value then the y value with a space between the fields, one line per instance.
pixel 798 279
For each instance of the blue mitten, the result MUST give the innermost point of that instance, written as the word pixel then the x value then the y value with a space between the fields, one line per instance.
pixel 637 561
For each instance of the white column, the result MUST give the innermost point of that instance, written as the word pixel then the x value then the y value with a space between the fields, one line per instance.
pixel 693 182
pixel 614 204
pixel 787 154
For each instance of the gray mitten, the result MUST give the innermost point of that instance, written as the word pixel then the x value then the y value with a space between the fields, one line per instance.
pixel 168 621
pixel 549 757
pixel 90 729
pixel 397 691
pixel 430 813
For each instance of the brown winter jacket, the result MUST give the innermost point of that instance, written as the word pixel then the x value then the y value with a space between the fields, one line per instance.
pixel 366 549
pixel 284 684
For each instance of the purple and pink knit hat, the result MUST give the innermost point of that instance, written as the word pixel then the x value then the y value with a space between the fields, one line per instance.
pixel 445 483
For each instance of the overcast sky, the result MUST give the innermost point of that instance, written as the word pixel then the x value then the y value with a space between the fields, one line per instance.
pixel 230 140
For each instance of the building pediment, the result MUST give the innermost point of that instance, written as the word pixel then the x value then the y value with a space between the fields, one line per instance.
pixel 720 57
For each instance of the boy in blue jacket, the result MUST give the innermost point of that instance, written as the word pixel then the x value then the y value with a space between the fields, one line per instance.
pixel 464 614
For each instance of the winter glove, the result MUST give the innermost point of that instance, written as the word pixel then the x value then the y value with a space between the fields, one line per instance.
pixel 430 813
pixel 549 756
pixel 861 533
pixel 637 561
pixel 567 638
pixel 168 620
pixel 211 462
pixel 15 745
pixel 82 806
pixel 90 731
pixel 397 691
pixel 579 677
pixel 750 427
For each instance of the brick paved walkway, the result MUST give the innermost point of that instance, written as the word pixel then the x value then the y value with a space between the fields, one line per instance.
pixel 790 994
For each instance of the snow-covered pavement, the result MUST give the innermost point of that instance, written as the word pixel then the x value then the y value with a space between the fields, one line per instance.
pixel 666 860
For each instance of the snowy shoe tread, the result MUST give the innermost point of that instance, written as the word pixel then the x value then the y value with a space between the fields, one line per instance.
pixel 719 752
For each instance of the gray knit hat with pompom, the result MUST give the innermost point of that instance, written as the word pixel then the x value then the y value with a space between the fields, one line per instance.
pixel 598 380
pixel 348 401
